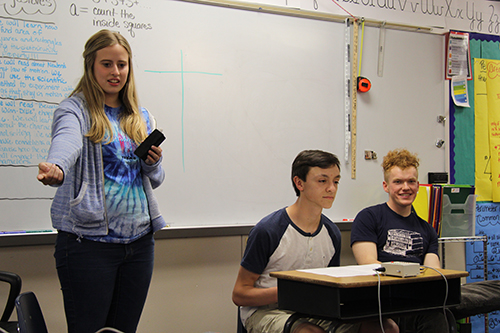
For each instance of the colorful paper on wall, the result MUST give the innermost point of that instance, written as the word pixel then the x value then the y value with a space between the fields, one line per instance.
pixel 458 56
pixel 467 167
pixel 493 92
pixel 487 223
pixel 459 91
pixel 487 129
pixel 482 140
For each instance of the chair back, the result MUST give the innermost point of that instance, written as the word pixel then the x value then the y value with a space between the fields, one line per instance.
pixel 15 283
pixel 239 326
pixel 29 314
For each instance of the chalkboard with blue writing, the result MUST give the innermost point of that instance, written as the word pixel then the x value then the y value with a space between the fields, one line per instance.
pixel 237 93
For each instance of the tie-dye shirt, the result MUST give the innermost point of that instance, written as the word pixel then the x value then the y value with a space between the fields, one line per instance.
pixel 126 202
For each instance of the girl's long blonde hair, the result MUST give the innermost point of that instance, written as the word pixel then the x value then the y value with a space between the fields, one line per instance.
pixel 131 120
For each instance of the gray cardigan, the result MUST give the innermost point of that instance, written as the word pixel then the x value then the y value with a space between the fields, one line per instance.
pixel 79 204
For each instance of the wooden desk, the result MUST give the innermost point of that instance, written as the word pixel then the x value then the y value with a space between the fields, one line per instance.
pixel 357 297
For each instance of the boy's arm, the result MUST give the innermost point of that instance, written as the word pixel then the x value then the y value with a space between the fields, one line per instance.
pixel 432 260
pixel 246 294
pixel 365 253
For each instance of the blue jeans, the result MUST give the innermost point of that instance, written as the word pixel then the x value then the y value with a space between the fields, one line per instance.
pixel 103 284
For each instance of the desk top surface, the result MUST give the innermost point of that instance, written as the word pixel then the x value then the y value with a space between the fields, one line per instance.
pixel 425 275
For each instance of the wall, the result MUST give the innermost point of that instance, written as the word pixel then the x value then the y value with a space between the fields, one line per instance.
pixel 190 291
pixel 230 97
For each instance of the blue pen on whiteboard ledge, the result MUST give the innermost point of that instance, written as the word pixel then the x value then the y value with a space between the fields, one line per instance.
pixel 20 232
pixel 13 232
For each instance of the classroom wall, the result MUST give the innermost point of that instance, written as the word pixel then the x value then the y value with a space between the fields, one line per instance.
pixel 225 92
pixel 190 292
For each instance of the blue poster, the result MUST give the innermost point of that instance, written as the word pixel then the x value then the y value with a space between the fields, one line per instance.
pixel 487 223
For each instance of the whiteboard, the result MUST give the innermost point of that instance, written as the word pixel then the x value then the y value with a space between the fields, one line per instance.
pixel 237 93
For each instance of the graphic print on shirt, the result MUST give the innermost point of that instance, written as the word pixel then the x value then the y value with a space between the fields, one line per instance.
pixel 125 197
pixel 403 242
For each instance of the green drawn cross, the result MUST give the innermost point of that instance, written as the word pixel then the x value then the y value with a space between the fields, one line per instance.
pixel 182 72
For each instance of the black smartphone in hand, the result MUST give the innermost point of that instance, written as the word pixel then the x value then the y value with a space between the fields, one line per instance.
pixel 154 139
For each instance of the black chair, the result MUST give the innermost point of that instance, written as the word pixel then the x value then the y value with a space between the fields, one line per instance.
pixel 31 319
pixel 29 314
pixel 15 288
pixel 239 326
pixel 291 320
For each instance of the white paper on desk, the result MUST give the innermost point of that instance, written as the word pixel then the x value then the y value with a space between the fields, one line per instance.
pixel 344 271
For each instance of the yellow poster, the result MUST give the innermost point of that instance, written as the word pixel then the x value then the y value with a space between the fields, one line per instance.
pixel 482 139
pixel 487 128
pixel 493 90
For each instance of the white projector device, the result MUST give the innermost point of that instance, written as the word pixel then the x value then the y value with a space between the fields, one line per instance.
pixel 401 269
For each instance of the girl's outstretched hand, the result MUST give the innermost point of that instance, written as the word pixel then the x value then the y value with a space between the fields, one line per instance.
pixel 49 174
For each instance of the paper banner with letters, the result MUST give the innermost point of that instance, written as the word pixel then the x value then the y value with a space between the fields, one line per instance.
pixel 493 91
pixel 487 223
pixel 482 141
pixel 487 128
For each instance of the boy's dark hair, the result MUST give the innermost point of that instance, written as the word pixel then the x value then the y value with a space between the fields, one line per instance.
pixel 308 159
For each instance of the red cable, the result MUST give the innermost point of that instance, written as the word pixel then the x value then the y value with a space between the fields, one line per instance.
pixel 335 2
